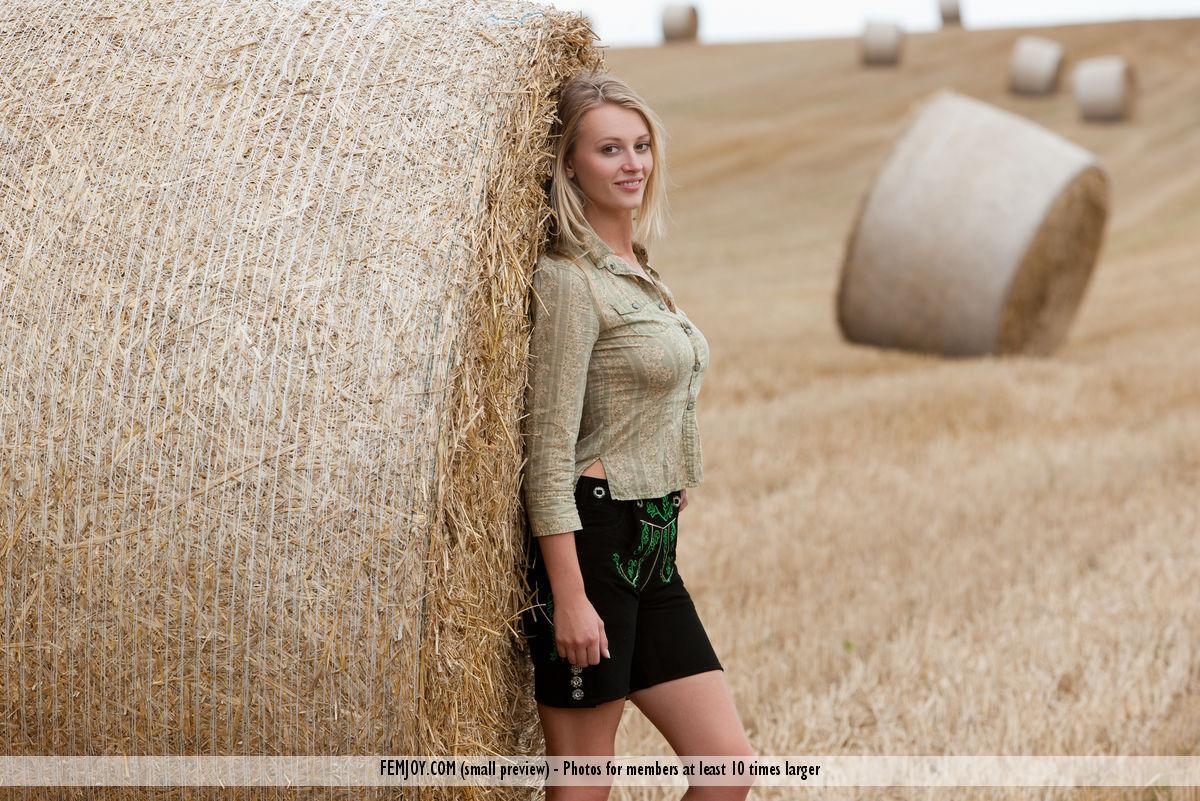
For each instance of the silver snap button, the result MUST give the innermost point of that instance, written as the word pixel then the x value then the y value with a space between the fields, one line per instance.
pixel 576 669
pixel 639 503
pixel 675 500
pixel 576 681
pixel 598 492
pixel 576 694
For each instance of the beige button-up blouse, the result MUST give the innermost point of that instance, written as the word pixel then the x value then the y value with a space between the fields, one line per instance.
pixel 615 371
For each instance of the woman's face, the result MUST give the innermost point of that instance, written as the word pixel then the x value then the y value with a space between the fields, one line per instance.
pixel 613 146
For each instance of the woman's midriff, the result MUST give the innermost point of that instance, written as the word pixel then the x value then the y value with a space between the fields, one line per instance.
pixel 595 470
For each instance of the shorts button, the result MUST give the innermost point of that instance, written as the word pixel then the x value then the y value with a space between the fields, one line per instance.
pixel 598 492
pixel 576 694
pixel 576 681
pixel 576 669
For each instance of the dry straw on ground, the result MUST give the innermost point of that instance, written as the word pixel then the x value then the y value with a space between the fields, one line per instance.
pixel 1105 88
pixel 265 281
pixel 681 22
pixel 882 42
pixel 978 236
pixel 951 13
pixel 1035 66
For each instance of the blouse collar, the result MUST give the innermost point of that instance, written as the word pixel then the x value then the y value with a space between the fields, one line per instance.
pixel 603 257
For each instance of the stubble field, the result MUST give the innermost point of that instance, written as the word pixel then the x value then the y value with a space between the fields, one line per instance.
pixel 903 554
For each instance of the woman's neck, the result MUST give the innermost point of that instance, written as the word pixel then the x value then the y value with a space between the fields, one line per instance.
pixel 616 231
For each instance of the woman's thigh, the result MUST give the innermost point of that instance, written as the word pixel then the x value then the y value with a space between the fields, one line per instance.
pixel 696 714
pixel 590 731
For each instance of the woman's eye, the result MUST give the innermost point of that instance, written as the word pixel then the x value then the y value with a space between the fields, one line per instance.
pixel 640 144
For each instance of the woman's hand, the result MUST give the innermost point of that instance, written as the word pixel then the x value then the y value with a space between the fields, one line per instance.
pixel 579 632
pixel 682 500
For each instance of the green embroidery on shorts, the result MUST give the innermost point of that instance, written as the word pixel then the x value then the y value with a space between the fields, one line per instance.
pixel 660 508
pixel 656 539
pixel 631 567
pixel 667 571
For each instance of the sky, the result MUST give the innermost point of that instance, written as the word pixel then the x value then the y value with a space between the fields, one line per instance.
pixel 622 23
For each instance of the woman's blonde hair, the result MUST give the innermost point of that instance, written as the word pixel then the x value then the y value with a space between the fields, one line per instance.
pixel 578 96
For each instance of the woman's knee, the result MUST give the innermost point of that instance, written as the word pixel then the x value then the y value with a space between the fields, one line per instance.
pixel 739 787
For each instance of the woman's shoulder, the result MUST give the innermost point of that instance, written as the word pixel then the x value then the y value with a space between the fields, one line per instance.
pixel 555 258
pixel 558 267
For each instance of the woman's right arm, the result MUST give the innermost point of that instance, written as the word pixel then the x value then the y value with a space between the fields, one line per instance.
pixel 565 328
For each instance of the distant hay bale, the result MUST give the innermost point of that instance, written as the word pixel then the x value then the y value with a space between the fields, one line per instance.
pixel 977 237
pixel 1036 65
pixel 882 42
pixel 1105 88
pixel 681 22
pixel 951 13
pixel 264 282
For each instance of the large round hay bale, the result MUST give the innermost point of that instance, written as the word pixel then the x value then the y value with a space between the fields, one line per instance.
pixel 977 237
pixel 262 369
pixel 1035 66
pixel 882 42
pixel 1105 88
pixel 951 13
pixel 680 22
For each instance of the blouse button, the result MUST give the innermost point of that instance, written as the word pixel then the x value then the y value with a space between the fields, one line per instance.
pixel 635 304
pixel 691 404
pixel 662 305
pixel 696 367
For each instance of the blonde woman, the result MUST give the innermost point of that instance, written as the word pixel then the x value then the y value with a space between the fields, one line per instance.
pixel 612 446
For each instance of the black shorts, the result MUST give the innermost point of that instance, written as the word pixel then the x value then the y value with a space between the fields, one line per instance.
pixel 626 553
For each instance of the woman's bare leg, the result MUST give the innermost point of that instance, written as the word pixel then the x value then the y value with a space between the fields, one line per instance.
pixel 589 731
pixel 697 716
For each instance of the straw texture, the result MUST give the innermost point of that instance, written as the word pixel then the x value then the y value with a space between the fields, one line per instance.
pixel 1104 88
pixel 263 314
pixel 1036 65
pixel 681 22
pixel 978 236
pixel 882 43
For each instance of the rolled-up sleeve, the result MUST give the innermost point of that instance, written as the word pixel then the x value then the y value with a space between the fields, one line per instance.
pixel 564 329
